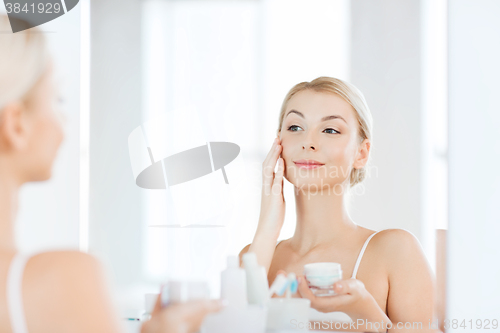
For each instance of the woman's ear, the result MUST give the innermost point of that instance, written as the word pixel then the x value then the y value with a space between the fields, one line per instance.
pixel 13 127
pixel 363 154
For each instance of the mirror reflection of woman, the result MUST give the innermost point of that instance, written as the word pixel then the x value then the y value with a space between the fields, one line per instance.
pixel 57 291
pixel 328 123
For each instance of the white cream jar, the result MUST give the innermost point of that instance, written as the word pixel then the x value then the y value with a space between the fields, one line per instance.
pixel 321 276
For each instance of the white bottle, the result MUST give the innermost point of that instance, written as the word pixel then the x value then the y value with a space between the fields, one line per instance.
pixel 257 285
pixel 233 283
pixel 238 315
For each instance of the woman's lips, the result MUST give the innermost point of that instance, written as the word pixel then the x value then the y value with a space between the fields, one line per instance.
pixel 308 166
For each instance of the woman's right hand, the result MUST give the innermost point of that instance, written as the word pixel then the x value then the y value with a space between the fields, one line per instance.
pixel 272 208
pixel 181 317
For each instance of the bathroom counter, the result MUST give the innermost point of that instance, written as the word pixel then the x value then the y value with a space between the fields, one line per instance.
pixel 135 327
pixel 297 331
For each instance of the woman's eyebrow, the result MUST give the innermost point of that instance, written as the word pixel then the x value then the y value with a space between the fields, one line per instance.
pixel 322 119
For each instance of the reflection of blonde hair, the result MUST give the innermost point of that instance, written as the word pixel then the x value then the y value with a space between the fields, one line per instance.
pixel 23 60
pixel 350 94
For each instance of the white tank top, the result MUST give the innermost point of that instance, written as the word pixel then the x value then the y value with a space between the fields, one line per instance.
pixel 14 293
pixel 338 315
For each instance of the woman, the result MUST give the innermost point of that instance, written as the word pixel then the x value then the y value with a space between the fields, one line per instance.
pixel 62 291
pixel 327 122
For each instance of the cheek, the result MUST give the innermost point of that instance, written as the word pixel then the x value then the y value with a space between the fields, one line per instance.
pixel 287 155
pixel 56 134
pixel 288 151
pixel 58 129
pixel 343 151
pixel 49 136
pixel 340 160
pixel 339 155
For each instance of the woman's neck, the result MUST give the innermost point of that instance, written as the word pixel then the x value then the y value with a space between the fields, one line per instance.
pixel 8 207
pixel 322 218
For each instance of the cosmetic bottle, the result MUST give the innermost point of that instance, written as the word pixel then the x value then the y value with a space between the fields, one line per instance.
pixel 287 313
pixel 238 315
pixel 257 285
pixel 233 283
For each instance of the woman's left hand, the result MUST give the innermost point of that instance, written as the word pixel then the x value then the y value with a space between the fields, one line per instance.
pixel 352 298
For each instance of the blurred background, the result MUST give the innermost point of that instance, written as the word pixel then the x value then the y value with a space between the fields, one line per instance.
pixel 426 67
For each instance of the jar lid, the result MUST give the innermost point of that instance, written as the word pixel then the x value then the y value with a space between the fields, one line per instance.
pixel 322 268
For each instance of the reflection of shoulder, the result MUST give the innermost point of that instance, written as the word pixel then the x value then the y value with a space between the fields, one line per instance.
pixel 397 246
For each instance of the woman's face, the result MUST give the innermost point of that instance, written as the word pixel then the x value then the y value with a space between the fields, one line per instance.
pixel 46 132
pixel 333 141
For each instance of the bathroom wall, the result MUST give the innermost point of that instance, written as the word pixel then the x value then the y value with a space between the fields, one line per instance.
pixel 385 66
pixel 115 226
pixel 473 248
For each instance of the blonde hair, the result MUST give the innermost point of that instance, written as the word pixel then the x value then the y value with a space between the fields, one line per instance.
pixel 351 95
pixel 24 58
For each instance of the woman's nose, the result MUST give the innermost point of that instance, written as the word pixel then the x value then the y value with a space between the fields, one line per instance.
pixel 310 143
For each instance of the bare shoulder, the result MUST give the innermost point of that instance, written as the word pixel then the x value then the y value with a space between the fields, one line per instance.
pixel 66 257
pixel 72 284
pixel 61 273
pixel 62 265
pixel 392 239
pixel 400 247
pixel 410 276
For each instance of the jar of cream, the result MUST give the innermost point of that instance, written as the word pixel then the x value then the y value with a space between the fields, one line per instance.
pixel 321 276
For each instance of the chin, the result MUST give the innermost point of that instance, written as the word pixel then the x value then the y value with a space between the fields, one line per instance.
pixel 42 176
pixel 312 183
pixel 320 184
pixel 48 175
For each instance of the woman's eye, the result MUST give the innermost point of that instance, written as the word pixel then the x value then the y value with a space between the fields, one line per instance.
pixel 336 132
pixel 293 126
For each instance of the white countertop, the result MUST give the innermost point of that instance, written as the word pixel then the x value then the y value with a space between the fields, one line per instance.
pixel 135 327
